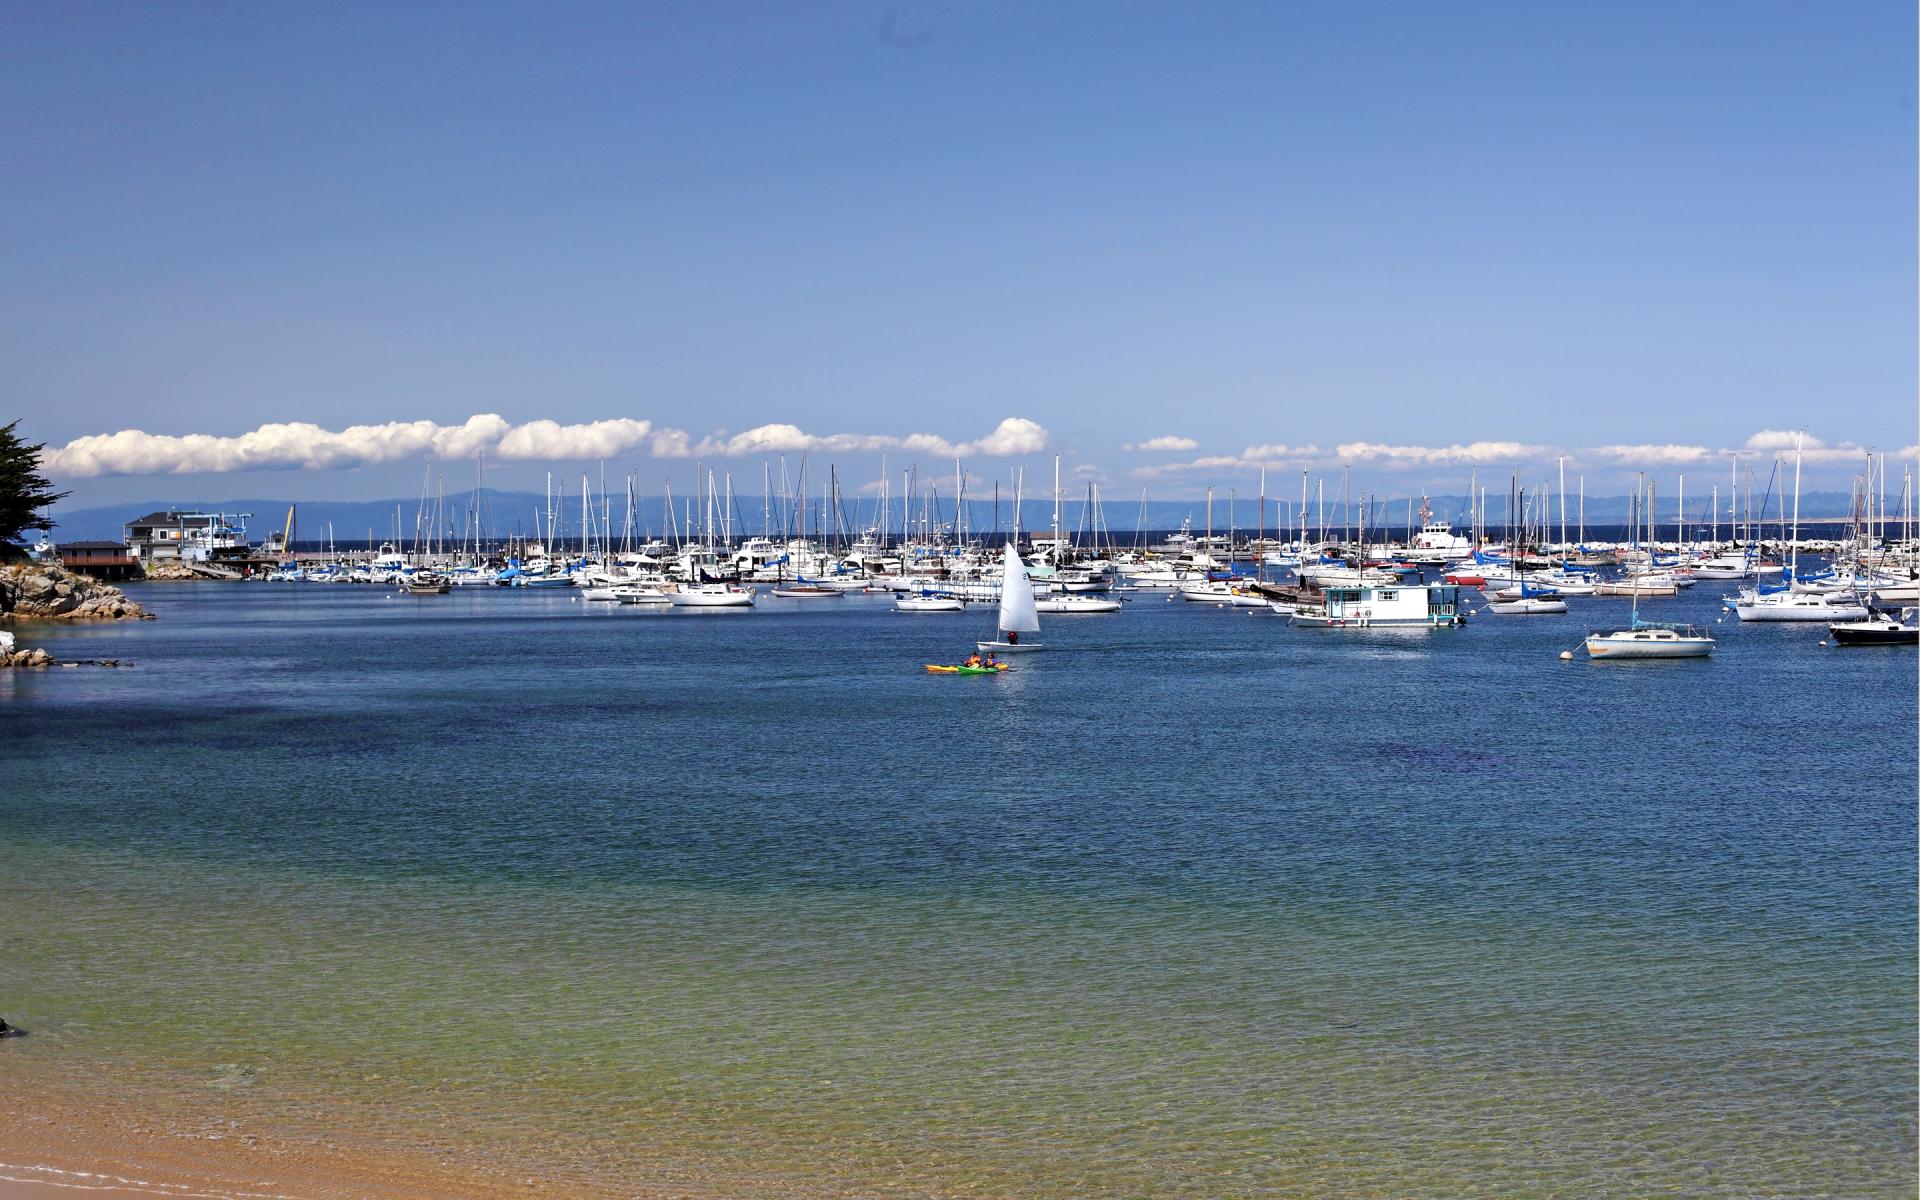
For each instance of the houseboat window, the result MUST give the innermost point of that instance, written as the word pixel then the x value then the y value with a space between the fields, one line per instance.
pixel 1386 595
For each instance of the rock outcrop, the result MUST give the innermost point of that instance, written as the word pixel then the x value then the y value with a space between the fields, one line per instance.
pixel 42 591
pixel 172 568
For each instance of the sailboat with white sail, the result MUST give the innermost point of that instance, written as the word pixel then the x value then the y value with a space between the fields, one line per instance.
pixel 1017 612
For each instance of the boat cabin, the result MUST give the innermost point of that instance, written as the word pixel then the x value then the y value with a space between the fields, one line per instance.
pixel 1361 606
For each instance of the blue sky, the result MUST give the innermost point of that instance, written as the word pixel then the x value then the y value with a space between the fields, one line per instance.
pixel 1292 234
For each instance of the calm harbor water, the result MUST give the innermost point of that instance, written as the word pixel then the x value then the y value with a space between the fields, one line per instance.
pixel 1193 904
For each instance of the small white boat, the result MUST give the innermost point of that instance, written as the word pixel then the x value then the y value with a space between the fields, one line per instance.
pixel 1799 606
pixel 929 604
pixel 635 594
pixel 1017 612
pixel 1527 606
pixel 806 591
pixel 1644 639
pixel 1206 591
pixel 712 595
pixel 1650 583
pixel 1073 603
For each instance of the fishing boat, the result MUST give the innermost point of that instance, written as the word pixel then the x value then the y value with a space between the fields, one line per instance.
pixel 1651 639
pixel 1017 612
pixel 1880 628
pixel 1436 543
pixel 712 595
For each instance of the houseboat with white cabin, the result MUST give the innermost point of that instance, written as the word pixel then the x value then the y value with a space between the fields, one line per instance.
pixel 1366 606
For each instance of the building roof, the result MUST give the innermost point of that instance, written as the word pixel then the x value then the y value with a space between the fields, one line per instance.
pixel 164 517
pixel 120 546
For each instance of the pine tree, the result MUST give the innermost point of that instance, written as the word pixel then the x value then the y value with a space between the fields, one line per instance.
pixel 24 492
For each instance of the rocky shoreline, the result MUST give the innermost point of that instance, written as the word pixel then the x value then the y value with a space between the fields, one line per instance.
pixel 45 592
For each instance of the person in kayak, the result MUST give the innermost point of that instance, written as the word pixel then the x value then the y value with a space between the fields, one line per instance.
pixel 973 660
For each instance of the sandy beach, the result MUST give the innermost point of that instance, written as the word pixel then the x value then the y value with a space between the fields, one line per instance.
pixel 64 1143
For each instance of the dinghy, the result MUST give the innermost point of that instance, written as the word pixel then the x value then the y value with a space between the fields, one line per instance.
pixel 1017 612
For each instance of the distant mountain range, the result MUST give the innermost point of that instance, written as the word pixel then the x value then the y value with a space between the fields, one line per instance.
pixel 503 514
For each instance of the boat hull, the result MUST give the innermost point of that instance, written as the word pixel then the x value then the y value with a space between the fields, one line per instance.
pixel 1874 633
pixel 1080 604
pixel 1800 612
pixel 1009 647
pixel 1629 647
pixel 1526 608
pixel 1319 621
pixel 929 606
pixel 711 600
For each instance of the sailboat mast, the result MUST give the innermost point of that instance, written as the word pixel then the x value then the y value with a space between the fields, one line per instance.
pixel 1057 557
pixel 1563 504
pixel 1300 518
pixel 1794 549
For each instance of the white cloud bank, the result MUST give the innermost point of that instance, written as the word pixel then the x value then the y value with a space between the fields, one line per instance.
pixel 1766 444
pixel 1013 436
pixel 304 446
pixel 1161 444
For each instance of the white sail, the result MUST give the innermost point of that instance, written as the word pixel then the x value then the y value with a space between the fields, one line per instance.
pixel 1017 613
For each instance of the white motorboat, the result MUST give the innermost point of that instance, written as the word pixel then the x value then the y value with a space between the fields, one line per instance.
pixel 1646 583
pixel 1538 604
pixel 712 595
pixel 1567 583
pixel 640 594
pixel 1206 591
pixel 1732 566
pixel 1787 605
pixel 1076 604
pixel 1437 543
pixel 929 603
